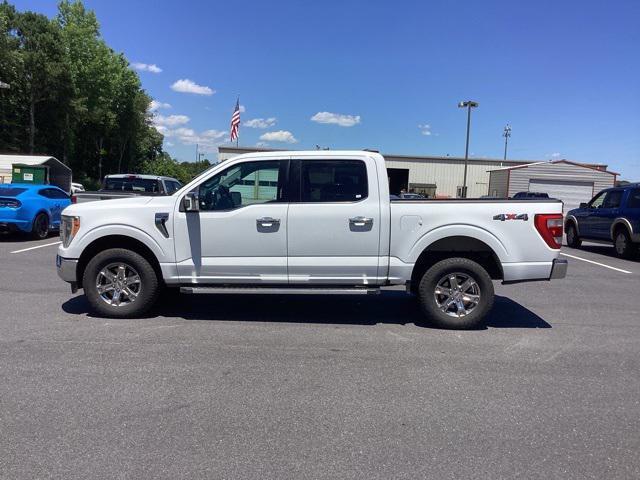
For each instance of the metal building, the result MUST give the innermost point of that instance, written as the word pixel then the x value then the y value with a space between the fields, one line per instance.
pixel 570 182
pixel 429 175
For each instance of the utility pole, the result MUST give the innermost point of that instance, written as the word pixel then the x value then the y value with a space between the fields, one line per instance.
pixel 506 134
pixel 469 104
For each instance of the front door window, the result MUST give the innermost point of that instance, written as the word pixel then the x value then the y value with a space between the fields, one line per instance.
pixel 244 184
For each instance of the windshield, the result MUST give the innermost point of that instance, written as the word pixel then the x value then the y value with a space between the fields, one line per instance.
pixel 131 185
pixel 11 191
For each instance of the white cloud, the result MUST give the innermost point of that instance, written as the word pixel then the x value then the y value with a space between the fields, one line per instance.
pixel 146 67
pixel 168 144
pixel 242 109
pixel 555 155
pixel 207 141
pixel 213 134
pixel 260 122
pixel 172 127
pixel 189 86
pixel 279 136
pixel 156 105
pixel 169 120
pixel 425 129
pixel 336 118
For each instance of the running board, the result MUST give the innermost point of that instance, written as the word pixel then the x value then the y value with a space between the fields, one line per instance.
pixel 281 290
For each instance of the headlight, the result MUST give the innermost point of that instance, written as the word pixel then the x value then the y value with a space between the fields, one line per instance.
pixel 68 229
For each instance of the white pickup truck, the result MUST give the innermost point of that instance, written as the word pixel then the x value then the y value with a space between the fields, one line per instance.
pixel 307 223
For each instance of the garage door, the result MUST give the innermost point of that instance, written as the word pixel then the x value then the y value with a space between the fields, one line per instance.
pixel 572 193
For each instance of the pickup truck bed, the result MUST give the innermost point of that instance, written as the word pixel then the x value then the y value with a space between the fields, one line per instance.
pixel 307 222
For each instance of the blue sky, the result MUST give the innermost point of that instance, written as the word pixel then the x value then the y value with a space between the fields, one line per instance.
pixel 565 75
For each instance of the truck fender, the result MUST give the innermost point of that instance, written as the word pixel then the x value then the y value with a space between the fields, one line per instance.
pixel 125 230
pixel 445 231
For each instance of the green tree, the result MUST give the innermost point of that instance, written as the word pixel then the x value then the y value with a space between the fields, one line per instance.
pixel 71 95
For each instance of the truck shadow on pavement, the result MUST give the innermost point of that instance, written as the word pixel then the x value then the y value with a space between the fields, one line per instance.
pixel 392 307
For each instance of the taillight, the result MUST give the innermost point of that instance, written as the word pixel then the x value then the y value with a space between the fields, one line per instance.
pixel 74 199
pixel 549 226
pixel 10 203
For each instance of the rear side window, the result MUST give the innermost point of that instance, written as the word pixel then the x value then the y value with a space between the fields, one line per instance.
pixel 634 198
pixel 333 181
pixel 53 193
pixel 45 192
pixel 171 186
pixel 612 200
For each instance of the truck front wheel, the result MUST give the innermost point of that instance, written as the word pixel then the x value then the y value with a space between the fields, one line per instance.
pixel 120 283
pixel 456 293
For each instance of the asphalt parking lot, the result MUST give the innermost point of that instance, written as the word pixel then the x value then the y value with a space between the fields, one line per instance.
pixel 320 387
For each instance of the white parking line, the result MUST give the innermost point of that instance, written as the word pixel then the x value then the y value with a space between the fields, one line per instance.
pixel 596 263
pixel 39 246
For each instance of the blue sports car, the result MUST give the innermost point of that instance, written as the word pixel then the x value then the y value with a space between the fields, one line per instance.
pixel 31 208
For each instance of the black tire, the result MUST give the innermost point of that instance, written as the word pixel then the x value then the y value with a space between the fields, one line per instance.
pixel 622 243
pixel 40 229
pixel 432 303
pixel 573 240
pixel 146 289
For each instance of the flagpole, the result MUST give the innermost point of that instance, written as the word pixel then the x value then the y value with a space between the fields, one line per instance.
pixel 238 137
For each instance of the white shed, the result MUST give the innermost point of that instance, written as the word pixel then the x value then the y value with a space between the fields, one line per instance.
pixel 570 182
pixel 59 173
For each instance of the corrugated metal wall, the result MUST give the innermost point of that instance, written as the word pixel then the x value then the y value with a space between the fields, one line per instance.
pixel 499 183
pixel 519 177
pixel 447 174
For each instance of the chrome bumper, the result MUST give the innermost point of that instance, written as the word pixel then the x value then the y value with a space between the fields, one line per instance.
pixel 67 268
pixel 559 269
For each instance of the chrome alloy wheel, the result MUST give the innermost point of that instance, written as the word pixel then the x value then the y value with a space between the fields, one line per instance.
pixel 118 284
pixel 457 294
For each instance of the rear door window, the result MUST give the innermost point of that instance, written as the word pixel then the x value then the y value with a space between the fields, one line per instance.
pixel 333 181
pixel 613 199
pixel 634 198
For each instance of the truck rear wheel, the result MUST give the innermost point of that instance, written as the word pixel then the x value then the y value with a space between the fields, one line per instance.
pixel 120 283
pixel 456 293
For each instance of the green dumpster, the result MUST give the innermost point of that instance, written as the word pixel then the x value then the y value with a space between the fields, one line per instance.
pixel 37 174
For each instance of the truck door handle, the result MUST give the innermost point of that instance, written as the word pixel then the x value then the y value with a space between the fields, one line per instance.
pixel 360 221
pixel 267 222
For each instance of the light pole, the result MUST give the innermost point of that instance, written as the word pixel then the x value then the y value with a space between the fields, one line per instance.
pixel 469 104
pixel 506 134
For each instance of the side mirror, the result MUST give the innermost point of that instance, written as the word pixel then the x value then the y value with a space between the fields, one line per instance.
pixel 584 205
pixel 190 202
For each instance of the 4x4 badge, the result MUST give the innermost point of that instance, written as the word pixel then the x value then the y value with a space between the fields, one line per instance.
pixel 511 216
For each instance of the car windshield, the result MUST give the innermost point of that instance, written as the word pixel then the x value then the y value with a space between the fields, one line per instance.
pixel 131 185
pixel 11 191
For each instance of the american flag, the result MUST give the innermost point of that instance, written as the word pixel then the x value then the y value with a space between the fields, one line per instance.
pixel 235 121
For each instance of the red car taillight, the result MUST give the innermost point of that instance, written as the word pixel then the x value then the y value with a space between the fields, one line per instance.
pixel 549 226
pixel 74 199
